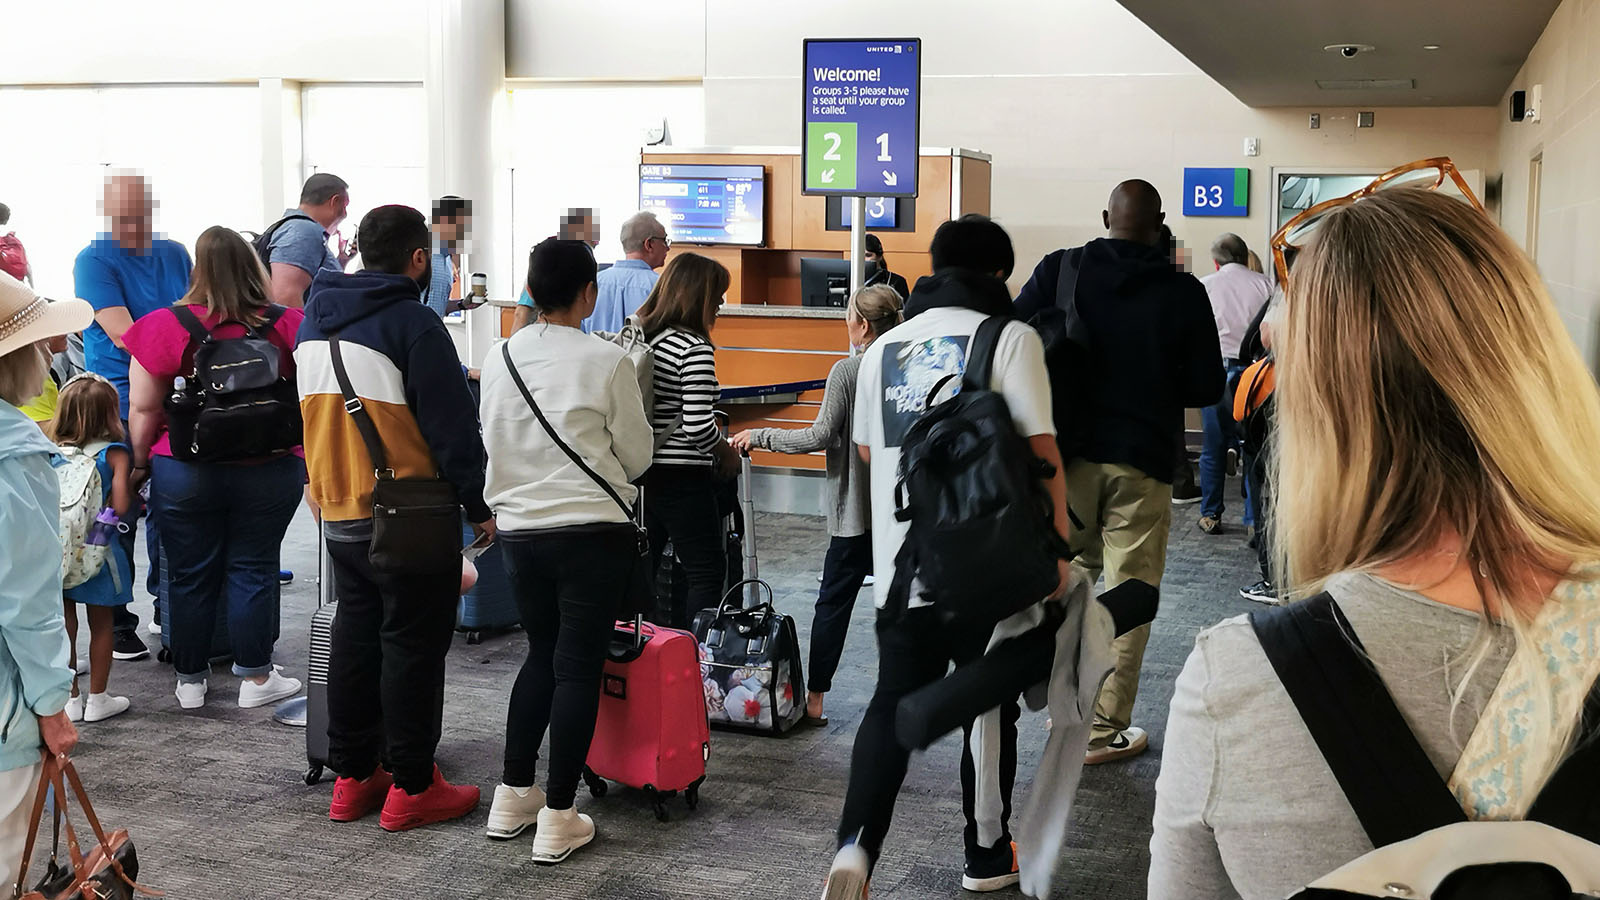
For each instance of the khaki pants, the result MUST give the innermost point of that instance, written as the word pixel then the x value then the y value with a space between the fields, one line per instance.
pixel 18 788
pixel 1125 515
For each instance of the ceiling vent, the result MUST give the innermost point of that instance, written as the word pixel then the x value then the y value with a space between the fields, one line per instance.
pixel 1367 84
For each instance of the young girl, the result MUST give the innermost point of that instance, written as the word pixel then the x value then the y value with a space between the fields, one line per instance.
pixel 87 418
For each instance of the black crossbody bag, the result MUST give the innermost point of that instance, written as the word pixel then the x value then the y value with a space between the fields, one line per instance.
pixel 416 522
pixel 640 596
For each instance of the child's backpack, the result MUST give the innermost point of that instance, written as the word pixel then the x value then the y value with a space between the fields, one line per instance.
pixel 81 495
pixel 1426 847
pixel 980 540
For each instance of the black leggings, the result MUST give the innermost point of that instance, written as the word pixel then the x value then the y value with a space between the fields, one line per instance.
pixel 680 504
pixel 569 584
pixel 847 565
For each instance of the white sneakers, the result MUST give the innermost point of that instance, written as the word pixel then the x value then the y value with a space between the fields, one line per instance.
pixel 276 687
pixel 100 707
pixel 514 811
pixel 75 708
pixel 191 695
pixel 559 833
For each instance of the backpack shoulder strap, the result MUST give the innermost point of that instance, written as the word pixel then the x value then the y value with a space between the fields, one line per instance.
pixel 980 354
pixel 1570 800
pixel 1067 285
pixel 190 322
pixel 1382 769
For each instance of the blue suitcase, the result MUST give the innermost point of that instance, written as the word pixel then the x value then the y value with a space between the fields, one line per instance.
pixel 490 607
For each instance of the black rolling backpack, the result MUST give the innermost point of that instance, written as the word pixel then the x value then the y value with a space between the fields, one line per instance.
pixel 1426 847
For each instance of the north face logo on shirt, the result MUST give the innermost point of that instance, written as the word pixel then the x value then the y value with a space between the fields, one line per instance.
pixel 910 372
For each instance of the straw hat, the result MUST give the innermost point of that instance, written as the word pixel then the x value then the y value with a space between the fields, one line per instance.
pixel 26 317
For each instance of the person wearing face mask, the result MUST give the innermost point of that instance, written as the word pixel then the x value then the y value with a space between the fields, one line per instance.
pixel 386 679
pixel 874 254
pixel 871 312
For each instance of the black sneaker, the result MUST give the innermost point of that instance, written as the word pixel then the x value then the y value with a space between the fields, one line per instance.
pixel 1183 496
pixel 128 647
pixel 998 872
pixel 1233 462
pixel 1261 592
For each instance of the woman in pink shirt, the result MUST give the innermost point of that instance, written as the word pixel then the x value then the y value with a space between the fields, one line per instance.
pixel 222 514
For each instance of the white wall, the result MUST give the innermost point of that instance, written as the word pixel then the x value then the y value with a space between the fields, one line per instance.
pixel 1070 98
pixel 1566 60
pixel 207 41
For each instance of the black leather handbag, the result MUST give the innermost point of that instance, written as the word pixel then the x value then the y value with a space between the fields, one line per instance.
pixel 416 522
pixel 750 660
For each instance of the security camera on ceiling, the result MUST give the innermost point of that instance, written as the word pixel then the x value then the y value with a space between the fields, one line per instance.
pixel 1349 51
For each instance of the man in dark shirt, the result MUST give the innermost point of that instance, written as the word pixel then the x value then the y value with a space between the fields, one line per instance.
pixel 1153 351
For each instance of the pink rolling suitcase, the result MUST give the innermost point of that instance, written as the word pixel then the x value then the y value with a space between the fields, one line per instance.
pixel 651 732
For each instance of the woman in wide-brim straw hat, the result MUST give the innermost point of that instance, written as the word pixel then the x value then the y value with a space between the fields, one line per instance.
pixel 35 664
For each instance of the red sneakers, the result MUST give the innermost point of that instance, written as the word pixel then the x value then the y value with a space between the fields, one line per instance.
pixel 441 802
pixel 354 799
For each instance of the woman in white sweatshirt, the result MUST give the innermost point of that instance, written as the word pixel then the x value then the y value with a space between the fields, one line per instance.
pixel 567 540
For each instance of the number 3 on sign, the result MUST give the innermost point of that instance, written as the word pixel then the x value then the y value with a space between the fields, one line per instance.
pixel 1201 200
pixel 834 141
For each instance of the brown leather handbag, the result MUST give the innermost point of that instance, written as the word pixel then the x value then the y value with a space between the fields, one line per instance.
pixel 107 872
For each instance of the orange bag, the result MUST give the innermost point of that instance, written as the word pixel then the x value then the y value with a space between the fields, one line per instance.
pixel 1255 386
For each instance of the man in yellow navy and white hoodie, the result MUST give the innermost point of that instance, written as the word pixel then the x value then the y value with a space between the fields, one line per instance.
pixel 390 636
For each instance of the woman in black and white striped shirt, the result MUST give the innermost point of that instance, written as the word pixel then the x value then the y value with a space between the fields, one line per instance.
pixel 680 498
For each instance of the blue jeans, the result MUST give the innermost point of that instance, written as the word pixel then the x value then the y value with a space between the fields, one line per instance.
pixel 1221 433
pixel 222 527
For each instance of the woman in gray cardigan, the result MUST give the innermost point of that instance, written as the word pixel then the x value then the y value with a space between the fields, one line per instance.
pixel 872 311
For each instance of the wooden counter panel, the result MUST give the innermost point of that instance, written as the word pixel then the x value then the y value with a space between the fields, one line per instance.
pixel 787 334
pixel 740 367
pixel 789 461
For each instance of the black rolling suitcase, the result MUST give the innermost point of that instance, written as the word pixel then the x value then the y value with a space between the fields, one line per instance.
pixel 317 669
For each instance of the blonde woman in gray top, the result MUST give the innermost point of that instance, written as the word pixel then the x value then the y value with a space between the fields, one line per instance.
pixel 872 311
pixel 1436 435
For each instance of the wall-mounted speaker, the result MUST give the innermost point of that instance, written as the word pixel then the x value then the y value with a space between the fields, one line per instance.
pixel 1519 105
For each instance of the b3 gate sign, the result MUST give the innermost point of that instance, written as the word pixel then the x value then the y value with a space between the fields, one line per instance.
pixel 1216 192
pixel 861 113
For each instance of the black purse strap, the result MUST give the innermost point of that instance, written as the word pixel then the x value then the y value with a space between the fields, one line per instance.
pixel 505 353
pixel 1385 774
pixel 358 412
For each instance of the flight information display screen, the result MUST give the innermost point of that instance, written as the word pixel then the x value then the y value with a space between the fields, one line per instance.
pixel 706 204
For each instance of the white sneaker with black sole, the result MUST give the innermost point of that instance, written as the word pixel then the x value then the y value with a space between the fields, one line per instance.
pixel 513 811
pixel 1127 743
pixel 559 832
pixel 849 874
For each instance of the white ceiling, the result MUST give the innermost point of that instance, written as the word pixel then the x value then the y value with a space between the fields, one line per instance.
pixel 1269 52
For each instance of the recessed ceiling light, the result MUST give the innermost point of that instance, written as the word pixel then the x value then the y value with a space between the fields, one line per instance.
pixel 1430 46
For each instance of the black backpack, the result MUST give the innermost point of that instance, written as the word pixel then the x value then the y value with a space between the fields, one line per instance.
pixel 980 538
pixel 1068 356
pixel 1426 847
pixel 235 404
pixel 263 241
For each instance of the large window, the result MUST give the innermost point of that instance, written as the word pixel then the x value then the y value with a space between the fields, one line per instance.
pixel 199 147
pixel 375 137
pixel 578 146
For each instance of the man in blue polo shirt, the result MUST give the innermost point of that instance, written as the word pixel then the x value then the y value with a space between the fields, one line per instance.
pixel 297 244
pixel 125 273
pixel 625 286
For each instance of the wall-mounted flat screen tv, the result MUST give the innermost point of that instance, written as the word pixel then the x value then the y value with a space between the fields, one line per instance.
pixel 707 204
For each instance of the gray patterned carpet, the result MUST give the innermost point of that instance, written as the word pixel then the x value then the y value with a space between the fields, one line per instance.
pixel 216 805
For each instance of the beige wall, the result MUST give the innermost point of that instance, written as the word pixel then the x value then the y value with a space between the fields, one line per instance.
pixel 1567 62
pixel 1070 98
